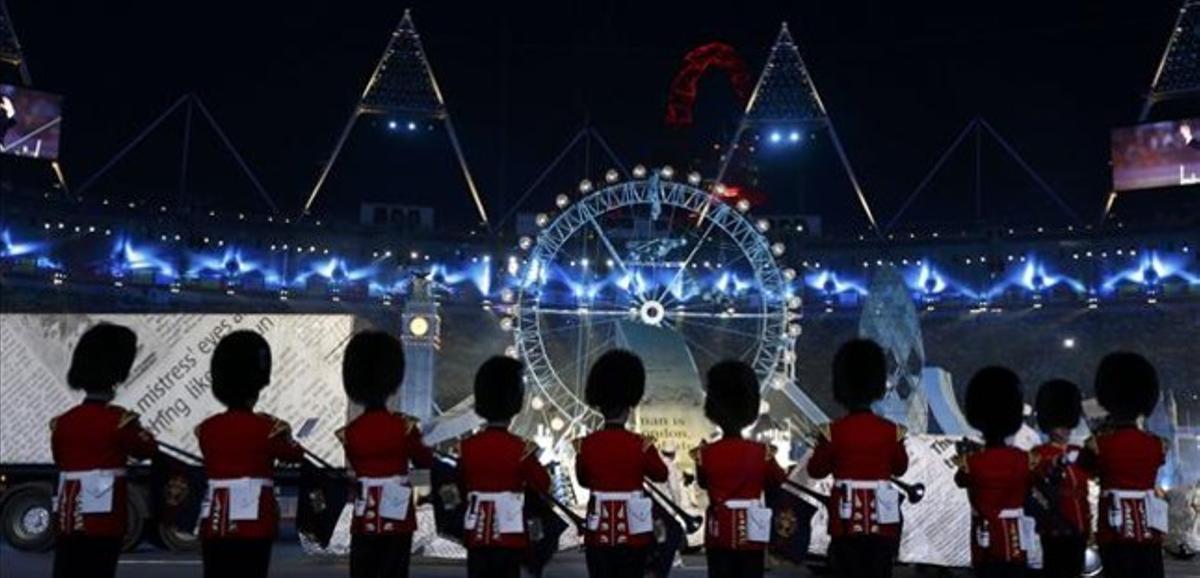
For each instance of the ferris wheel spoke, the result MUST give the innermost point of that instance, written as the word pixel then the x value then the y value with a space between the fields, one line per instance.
pixel 612 251
pixel 720 328
pixel 582 312
pixel 691 254
pixel 696 344
pixel 685 314
pixel 570 366
pixel 565 328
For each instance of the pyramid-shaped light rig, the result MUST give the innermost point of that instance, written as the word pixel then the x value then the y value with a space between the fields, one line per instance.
pixel 403 82
pixel 1178 73
pixel 785 93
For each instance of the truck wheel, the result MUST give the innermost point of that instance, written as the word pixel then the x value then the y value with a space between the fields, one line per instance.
pixel 138 507
pixel 28 517
pixel 175 540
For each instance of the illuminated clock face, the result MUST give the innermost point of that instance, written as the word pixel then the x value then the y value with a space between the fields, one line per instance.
pixel 418 326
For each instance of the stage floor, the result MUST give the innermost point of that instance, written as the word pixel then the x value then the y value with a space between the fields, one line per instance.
pixel 289 560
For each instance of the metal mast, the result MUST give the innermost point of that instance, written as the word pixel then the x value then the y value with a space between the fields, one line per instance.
pixel 1178 72
pixel 403 83
pixel 785 93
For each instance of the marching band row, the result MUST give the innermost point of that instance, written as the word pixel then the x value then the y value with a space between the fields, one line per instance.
pixel 1029 510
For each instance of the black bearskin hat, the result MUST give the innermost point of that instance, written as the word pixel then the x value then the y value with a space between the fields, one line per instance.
pixel 731 395
pixel 372 367
pixel 241 367
pixel 859 373
pixel 1058 405
pixel 102 358
pixel 616 382
pixel 499 389
pixel 995 403
pixel 1126 385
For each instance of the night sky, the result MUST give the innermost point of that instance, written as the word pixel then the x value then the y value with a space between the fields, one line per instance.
pixel 900 79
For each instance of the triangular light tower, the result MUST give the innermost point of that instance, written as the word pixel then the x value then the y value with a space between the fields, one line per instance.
pixel 1178 73
pixel 786 94
pixel 403 84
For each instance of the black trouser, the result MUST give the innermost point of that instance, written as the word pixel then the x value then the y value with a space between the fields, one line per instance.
pixel 494 562
pixel 77 556
pixel 1001 570
pixel 1063 556
pixel 615 561
pixel 862 556
pixel 226 558
pixel 724 563
pixel 1132 560
pixel 380 555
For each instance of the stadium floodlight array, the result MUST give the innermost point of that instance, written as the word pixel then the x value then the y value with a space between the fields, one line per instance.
pixel 403 84
pixel 785 96
pixel 1178 73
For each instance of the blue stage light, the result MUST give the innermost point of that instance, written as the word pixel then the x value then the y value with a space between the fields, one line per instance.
pixel 794 136
pixel 775 137
pixel 412 125
pixel 392 125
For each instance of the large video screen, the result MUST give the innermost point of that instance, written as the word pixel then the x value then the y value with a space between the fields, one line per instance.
pixel 29 122
pixel 1160 154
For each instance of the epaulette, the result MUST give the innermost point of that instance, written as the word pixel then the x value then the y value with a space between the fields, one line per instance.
pixel 770 452
pixel 127 417
pixel 901 432
pixel 278 426
pixel 531 449
pixel 824 432
pixel 410 422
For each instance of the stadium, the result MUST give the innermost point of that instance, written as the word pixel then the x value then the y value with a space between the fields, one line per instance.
pixel 746 226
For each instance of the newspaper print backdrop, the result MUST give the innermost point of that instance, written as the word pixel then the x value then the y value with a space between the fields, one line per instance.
pixel 169 383
pixel 936 531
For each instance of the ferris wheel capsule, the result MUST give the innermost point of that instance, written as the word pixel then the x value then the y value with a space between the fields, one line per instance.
pixel 742 205
pixel 562 200
pixel 542 219
pixel 667 172
pixel 525 243
pixel 639 172
pixel 693 178
pixel 611 176
pixel 778 249
pixel 585 186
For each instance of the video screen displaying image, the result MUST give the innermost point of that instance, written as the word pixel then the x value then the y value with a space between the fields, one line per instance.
pixel 29 122
pixel 1161 154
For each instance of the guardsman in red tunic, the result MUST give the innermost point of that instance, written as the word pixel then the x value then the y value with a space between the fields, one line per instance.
pixel 1132 516
pixel 735 471
pixel 91 444
pixel 862 452
pixel 997 477
pixel 239 517
pixel 380 445
pixel 612 463
pixel 1061 484
pixel 495 469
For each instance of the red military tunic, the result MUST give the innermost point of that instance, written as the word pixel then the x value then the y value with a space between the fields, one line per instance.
pixel 997 480
pixel 95 436
pixel 242 444
pixel 1126 459
pixel 734 469
pixel 1072 500
pixel 616 460
pixel 494 460
pixel 381 444
pixel 862 447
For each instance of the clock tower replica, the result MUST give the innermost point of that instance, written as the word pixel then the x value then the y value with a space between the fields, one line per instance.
pixel 422 338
